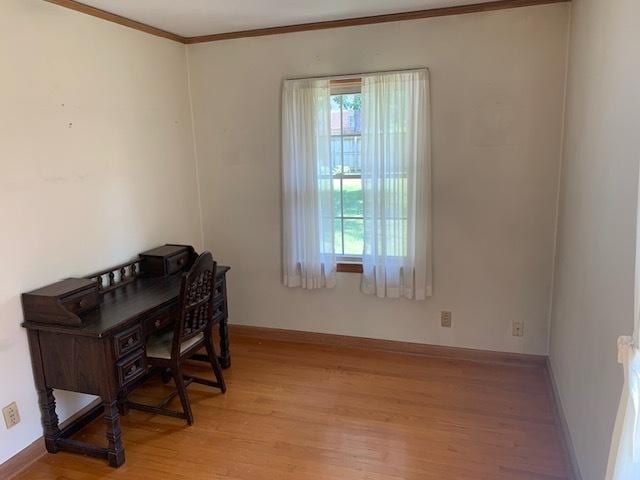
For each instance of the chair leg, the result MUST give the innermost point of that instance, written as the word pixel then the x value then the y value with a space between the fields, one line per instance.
pixel 165 375
pixel 182 391
pixel 213 358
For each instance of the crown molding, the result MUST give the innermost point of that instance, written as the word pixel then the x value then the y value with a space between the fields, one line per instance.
pixel 392 17
pixel 304 27
pixel 112 17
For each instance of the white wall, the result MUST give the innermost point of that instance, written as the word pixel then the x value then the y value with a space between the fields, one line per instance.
pixel 497 94
pixel 593 294
pixel 96 164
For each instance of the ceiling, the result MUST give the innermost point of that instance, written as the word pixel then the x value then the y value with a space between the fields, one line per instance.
pixel 190 18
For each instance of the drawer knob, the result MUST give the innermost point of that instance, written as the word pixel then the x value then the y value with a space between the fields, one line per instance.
pixel 130 342
pixel 157 323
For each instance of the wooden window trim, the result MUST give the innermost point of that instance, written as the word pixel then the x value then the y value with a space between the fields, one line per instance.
pixel 349 267
pixel 346 86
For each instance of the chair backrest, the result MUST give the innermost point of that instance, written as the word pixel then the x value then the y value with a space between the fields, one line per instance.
pixel 196 301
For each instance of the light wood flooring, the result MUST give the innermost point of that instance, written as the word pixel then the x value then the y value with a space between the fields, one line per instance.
pixel 297 411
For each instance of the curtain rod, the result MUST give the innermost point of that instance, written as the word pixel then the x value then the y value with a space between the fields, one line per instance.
pixel 357 75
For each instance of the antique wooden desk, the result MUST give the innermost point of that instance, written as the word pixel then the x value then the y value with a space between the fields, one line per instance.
pixel 105 355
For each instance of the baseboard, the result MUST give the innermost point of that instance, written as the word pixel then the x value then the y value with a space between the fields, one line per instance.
pixel 562 425
pixel 468 354
pixel 22 459
pixel 36 450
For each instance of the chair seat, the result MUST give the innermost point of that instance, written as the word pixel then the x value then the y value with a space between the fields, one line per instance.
pixel 159 345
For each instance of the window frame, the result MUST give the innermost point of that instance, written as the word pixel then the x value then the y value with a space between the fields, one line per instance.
pixel 346 263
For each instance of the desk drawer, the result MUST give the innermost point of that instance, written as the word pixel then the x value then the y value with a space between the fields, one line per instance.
pixel 130 368
pixel 81 302
pixel 177 262
pixel 160 319
pixel 166 260
pixel 127 341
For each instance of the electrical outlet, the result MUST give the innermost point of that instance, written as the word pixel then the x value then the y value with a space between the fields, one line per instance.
pixel 445 319
pixel 11 415
pixel 518 329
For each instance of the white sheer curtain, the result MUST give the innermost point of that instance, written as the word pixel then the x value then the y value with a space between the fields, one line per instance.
pixel 308 256
pixel 624 455
pixel 396 167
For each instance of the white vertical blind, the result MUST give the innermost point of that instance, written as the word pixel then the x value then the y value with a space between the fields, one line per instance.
pixel 624 455
pixel 308 244
pixel 396 167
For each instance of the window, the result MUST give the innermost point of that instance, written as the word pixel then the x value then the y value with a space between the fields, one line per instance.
pixel 356 174
pixel 346 168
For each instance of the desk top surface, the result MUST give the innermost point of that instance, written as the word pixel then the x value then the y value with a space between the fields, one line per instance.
pixel 124 304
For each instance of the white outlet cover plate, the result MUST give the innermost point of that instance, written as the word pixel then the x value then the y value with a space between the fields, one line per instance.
pixel 11 415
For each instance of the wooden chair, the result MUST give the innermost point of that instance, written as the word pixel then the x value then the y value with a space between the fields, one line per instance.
pixel 167 351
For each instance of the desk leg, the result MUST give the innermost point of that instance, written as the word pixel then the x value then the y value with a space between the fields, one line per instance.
pixel 225 355
pixel 50 427
pixel 46 400
pixel 115 449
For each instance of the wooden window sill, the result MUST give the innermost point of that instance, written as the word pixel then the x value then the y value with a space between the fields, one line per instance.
pixel 349 267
